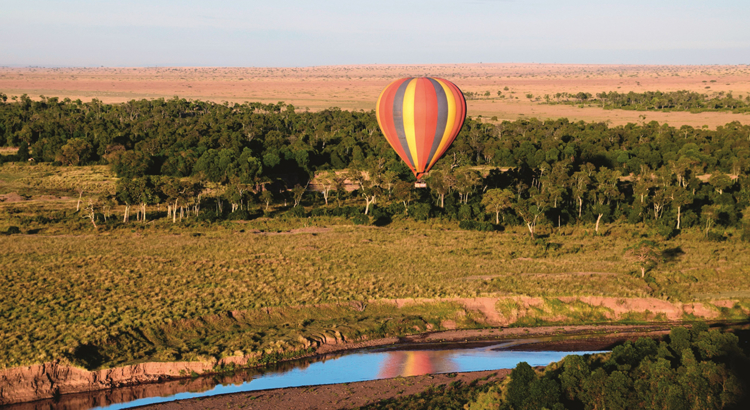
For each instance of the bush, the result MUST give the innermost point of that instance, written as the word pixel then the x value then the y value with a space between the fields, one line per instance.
pixel 240 215
pixel 12 230
pixel 421 211
pixel 715 237
pixel 319 212
pixel 208 215
pixel 297 212
pixel 361 219
pixel 464 212
pixel 477 226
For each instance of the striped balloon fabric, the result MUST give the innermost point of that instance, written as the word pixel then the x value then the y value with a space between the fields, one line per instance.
pixel 421 117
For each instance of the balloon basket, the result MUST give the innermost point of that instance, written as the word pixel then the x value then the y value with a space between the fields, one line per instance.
pixel 420 184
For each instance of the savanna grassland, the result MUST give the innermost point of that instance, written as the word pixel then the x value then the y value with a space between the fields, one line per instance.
pixel 184 230
pixel 270 287
pixel 496 90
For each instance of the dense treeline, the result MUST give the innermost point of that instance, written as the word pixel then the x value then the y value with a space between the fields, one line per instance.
pixel 693 369
pixel 185 154
pixel 656 100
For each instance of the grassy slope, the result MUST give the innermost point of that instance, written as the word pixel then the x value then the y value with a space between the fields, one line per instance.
pixel 178 292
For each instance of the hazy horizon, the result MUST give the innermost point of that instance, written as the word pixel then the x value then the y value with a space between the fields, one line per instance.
pixel 294 33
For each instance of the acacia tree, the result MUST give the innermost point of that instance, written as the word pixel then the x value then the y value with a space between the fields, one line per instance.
pixel 605 191
pixel 299 192
pixel 369 187
pixel 267 197
pixel 644 254
pixel 581 181
pixel 126 195
pixel 327 183
pixel 466 181
pixel 720 181
pixel 441 184
pixel 404 193
pixel 531 209
pixel 497 200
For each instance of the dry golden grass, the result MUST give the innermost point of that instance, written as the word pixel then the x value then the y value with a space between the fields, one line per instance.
pixel 357 87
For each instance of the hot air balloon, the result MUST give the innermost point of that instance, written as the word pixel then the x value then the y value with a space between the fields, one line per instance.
pixel 420 118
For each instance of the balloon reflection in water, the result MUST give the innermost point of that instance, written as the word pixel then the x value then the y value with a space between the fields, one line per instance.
pixel 414 363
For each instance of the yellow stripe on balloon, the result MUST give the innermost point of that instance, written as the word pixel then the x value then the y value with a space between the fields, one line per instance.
pixel 444 139
pixel 409 128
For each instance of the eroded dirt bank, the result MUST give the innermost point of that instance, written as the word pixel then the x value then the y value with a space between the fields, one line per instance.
pixel 52 379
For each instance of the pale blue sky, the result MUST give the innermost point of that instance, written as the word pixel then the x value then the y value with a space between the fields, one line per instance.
pixel 332 32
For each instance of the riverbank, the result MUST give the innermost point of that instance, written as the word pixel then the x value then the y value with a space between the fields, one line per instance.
pixel 53 382
pixel 333 396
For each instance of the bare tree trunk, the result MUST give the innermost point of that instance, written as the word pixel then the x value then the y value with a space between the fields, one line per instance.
pixel 678 216
pixel 369 202
pixel 78 205
pixel 599 218
pixel 580 206
pixel 442 201
pixel 497 218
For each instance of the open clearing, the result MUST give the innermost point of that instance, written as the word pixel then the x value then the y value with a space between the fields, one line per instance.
pixel 358 87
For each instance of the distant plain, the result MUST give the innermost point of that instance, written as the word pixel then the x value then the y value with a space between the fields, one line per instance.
pixel 357 87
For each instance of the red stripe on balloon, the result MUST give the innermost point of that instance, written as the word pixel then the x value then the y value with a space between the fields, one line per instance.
pixel 386 117
pixel 425 115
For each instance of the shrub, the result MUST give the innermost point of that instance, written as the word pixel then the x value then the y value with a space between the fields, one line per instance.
pixel 297 212
pixel 361 219
pixel 239 215
pixel 476 226
pixel 421 211
pixel 464 212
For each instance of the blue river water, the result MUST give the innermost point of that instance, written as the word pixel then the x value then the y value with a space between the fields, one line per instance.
pixel 372 365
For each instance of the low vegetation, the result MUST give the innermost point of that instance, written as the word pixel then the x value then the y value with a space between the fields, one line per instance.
pixel 657 101
pixel 692 369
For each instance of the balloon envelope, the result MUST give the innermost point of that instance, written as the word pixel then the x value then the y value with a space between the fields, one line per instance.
pixel 420 118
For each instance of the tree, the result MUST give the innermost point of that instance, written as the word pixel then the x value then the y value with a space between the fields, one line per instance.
pixel 126 195
pixel 327 183
pixel 75 152
pixel 605 191
pixel 497 200
pixel 680 197
pixel 91 212
pixel 581 182
pixel 368 186
pixel 709 213
pixel 267 197
pixel 466 181
pixel 531 209
pixel 404 192
pixel 440 183
pixel 130 164
pixel 298 192
pixel 644 254
pixel 720 181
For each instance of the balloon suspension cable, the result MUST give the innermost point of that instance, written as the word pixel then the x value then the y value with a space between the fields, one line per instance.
pixel 420 183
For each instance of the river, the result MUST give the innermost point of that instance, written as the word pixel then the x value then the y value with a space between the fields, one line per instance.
pixel 356 366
